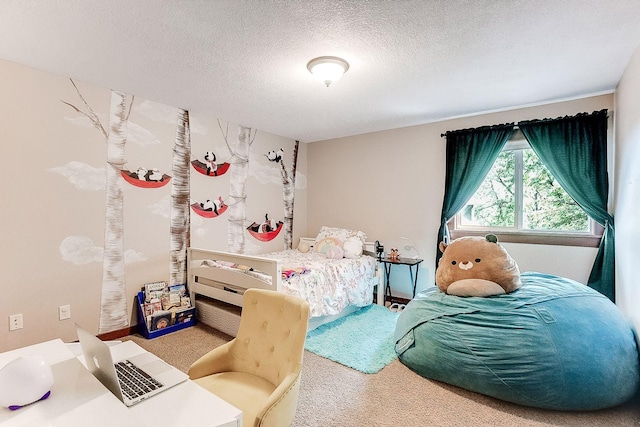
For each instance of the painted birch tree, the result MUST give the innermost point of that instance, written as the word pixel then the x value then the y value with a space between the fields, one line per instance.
pixel 288 195
pixel 180 210
pixel 113 304
pixel 238 189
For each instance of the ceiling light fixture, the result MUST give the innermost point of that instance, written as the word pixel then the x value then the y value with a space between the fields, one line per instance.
pixel 328 68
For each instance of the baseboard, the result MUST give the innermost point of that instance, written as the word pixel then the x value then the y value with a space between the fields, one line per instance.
pixel 114 335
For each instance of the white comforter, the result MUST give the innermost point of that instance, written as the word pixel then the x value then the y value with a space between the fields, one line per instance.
pixel 329 285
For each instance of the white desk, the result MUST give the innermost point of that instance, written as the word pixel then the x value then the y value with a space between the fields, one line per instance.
pixel 79 399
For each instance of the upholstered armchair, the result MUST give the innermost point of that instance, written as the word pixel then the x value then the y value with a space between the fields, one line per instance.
pixel 259 370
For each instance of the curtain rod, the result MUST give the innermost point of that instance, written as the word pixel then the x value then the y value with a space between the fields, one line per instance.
pixel 515 125
pixel 503 125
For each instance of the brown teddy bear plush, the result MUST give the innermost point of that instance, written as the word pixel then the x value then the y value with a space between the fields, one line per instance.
pixel 476 266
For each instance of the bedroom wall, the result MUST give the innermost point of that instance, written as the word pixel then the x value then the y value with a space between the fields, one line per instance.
pixel 390 185
pixel 53 198
pixel 627 194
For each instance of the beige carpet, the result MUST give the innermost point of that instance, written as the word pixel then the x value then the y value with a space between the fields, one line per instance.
pixel 334 395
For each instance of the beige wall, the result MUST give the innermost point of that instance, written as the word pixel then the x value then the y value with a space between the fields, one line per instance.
pixel 53 199
pixel 390 184
pixel 627 194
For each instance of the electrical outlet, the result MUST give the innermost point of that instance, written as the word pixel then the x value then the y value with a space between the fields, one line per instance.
pixel 15 322
pixel 64 312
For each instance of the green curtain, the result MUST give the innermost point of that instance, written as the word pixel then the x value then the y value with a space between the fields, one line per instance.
pixel 470 155
pixel 574 149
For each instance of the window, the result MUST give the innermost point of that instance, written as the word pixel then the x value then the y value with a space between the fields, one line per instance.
pixel 521 201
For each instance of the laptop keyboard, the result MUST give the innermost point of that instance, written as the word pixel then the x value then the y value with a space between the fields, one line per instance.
pixel 134 382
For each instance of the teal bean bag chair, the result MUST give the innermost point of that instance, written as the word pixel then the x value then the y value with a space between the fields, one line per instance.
pixel 554 343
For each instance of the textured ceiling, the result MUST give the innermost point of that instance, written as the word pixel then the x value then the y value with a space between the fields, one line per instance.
pixel 411 62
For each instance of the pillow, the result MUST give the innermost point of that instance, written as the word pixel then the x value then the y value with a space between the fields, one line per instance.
pixel 341 234
pixel 352 247
pixel 323 245
pixel 303 246
pixel 335 252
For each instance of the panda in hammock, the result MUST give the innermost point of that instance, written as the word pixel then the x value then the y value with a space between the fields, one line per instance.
pixel 210 205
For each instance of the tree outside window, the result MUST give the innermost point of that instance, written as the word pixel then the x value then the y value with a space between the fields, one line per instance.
pixel 519 195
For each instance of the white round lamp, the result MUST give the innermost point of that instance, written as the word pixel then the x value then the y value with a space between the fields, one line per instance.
pixel 328 68
pixel 25 380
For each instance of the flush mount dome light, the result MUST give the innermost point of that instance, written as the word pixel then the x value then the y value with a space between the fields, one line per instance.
pixel 328 68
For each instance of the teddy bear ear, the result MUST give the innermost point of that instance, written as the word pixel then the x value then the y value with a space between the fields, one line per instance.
pixel 491 238
pixel 442 246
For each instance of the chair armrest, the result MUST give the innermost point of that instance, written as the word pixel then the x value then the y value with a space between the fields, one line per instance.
pixel 280 408
pixel 217 360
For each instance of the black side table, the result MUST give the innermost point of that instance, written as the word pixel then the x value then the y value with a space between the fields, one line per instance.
pixel 388 262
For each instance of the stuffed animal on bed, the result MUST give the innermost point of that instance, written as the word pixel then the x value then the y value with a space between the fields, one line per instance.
pixel 476 266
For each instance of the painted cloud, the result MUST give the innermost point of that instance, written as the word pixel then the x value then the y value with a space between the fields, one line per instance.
pixel 166 114
pixel 81 250
pixel 82 176
pixel 162 207
pixel 135 133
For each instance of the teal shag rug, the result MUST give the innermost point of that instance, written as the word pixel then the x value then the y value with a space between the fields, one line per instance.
pixel 362 340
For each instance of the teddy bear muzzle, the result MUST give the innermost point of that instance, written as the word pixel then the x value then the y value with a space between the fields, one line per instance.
pixel 466 265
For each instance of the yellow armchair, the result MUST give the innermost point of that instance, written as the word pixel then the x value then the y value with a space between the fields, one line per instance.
pixel 259 370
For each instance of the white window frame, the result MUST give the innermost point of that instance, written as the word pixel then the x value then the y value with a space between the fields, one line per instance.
pixel 517 234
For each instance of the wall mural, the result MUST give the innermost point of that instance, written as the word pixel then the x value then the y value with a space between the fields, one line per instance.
pixel 113 304
pixel 288 190
pixel 238 162
pixel 145 178
pixel 178 206
pixel 209 166
pixel 266 231
pixel 238 187
pixel 180 193
pixel 210 208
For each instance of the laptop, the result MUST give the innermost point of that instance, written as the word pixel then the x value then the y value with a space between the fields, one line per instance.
pixel 131 380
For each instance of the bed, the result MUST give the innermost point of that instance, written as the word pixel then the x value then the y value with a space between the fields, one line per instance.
pixel 334 286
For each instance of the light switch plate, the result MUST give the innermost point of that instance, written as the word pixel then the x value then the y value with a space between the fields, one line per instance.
pixel 64 312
